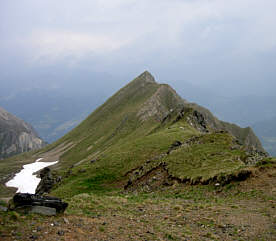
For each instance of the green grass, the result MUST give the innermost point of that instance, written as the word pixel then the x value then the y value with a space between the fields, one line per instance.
pixel 212 157
pixel 120 142
pixel 121 138
pixel 206 160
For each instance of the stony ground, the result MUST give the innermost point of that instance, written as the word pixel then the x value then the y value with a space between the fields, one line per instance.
pixel 238 211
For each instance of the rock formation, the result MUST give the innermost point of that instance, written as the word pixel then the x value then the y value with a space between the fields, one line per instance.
pixel 47 181
pixel 32 203
pixel 16 136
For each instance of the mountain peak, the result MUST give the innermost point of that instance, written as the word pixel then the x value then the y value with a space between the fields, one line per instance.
pixel 146 77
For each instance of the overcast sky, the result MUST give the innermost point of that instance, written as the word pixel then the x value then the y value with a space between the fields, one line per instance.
pixel 226 45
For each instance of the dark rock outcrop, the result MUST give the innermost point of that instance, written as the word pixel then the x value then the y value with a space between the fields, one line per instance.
pixel 34 203
pixel 47 181
pixel 245 136
pixel 165 104
pixel 16 136
pixel 174 146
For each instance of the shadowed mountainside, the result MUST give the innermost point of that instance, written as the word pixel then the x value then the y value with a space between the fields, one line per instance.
pixel 16 136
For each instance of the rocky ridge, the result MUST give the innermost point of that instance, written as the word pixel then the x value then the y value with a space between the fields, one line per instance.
pixel 16 136
pixel 165 102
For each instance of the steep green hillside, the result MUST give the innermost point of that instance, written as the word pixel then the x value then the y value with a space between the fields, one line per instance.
pixel 144 130
pixel 147 165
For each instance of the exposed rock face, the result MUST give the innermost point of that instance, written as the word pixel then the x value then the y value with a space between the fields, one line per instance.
pixel 46 183
pixel 164 100
pixel 16 136
pixel 165 103
pixel 245 136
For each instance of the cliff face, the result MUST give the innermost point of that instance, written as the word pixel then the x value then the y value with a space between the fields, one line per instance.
pixel 16 136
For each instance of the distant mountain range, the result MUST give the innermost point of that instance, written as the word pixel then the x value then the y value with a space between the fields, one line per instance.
pixel 16 136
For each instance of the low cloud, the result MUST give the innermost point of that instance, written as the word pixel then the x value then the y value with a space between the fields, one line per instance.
pixel 63 43
pixel 203 41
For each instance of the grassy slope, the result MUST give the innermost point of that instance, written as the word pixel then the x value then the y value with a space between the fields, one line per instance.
pixel 119 141
pixel 238 211
pixel 120 148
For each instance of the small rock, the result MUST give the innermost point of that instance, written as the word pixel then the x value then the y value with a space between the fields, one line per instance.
pixel 34 237
pixel 66 220
pixel 60 232
pixel 56 223
pixel 58 179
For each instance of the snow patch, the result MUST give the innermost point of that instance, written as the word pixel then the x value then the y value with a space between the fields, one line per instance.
pixel 25 181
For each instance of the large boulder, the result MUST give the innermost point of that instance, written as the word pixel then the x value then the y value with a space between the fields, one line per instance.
pixel 43 210
pixel 26 201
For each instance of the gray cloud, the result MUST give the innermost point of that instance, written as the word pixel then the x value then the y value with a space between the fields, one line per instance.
pixel 227 45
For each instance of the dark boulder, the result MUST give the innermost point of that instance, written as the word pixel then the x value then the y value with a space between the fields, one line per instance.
pixel 174 146
pixel 47 181
pixel 26 200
